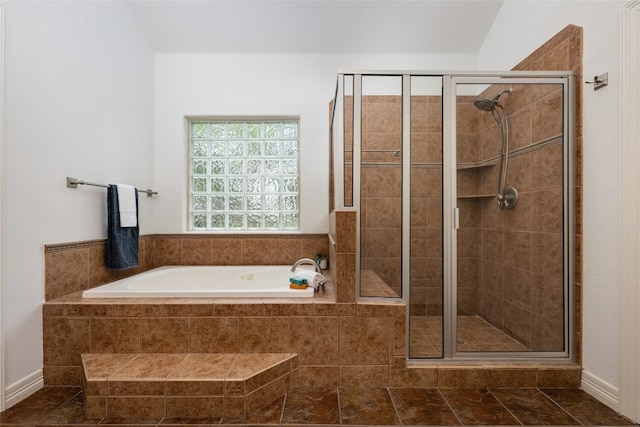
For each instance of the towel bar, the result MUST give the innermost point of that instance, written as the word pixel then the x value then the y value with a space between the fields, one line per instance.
pixel 74 182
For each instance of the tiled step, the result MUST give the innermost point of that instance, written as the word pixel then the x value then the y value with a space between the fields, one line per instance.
pixel 184 385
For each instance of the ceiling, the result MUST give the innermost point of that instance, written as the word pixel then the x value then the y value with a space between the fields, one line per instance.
pixel 317 26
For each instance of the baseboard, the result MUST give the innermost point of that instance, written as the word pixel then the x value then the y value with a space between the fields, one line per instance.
pixel 601 390
pixel 24 388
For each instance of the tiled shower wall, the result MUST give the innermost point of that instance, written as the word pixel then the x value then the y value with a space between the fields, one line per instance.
pixel 381 187
pixel 520 257
pixel 520 253
pixel 564 52
pixel 381 183
pixel 426 206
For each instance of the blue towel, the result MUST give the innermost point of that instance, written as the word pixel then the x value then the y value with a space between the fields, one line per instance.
pixel 122 242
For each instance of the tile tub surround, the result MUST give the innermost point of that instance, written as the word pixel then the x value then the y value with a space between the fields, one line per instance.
pixel 77 266
pixel 337 344
pixel 327 337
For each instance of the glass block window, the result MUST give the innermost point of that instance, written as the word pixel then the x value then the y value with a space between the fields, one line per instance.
pixel 244 175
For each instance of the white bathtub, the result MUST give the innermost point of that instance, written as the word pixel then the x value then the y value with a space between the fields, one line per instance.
pixel 257 281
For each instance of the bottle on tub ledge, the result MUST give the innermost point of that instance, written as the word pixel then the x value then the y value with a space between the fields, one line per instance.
pixel 321 260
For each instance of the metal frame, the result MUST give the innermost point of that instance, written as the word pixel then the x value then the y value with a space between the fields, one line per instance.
pixel 567 80
pixel 356 170
pixel 337 127
pixel 449 225
pixel 406 187
pixel 450 210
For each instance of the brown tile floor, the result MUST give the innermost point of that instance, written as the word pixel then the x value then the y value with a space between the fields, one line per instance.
pixel 62 406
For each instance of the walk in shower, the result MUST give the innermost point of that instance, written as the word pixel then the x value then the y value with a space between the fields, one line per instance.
pixel 463 188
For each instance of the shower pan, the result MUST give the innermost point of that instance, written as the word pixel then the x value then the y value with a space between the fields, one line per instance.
pixel 431 163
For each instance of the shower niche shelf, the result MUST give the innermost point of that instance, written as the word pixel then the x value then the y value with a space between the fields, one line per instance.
pixel 473 168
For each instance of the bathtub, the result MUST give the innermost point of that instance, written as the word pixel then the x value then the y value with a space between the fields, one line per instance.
pixel 258 281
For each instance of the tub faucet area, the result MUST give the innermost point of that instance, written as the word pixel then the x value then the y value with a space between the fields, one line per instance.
pixel 306 261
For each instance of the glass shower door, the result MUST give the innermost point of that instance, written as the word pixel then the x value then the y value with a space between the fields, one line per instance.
pixel 426 306
pixel 462 185
pixel 512 204
pixel 380 159
pixel 398 141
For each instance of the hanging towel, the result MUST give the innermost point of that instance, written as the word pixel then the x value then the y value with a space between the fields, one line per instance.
pixel 122 242
pixel 127 205
pixel 313 279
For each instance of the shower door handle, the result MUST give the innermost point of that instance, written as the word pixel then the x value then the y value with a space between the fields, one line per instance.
pixel 456 218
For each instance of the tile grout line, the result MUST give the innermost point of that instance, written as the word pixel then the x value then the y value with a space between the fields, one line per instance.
pixel 393 402
pixel 455 414
pixel 558 405
pixel 505 407
pixel 339 406
pixel 284 405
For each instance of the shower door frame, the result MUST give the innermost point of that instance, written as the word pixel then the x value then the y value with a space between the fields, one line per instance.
pixel 451 221
pixel 449 204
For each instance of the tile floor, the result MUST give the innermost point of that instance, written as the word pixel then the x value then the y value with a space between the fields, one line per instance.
pixel 62 406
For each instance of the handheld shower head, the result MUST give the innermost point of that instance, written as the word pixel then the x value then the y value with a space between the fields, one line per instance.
pixel 485 104
pixel 507 196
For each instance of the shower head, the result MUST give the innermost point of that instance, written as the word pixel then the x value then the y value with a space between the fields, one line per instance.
pixel 485 104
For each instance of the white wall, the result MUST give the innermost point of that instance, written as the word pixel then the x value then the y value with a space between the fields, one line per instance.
pixel 519 28
pixel 79 102
pixel 259 84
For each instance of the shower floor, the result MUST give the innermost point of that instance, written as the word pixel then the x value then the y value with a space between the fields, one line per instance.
pixel 474 334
